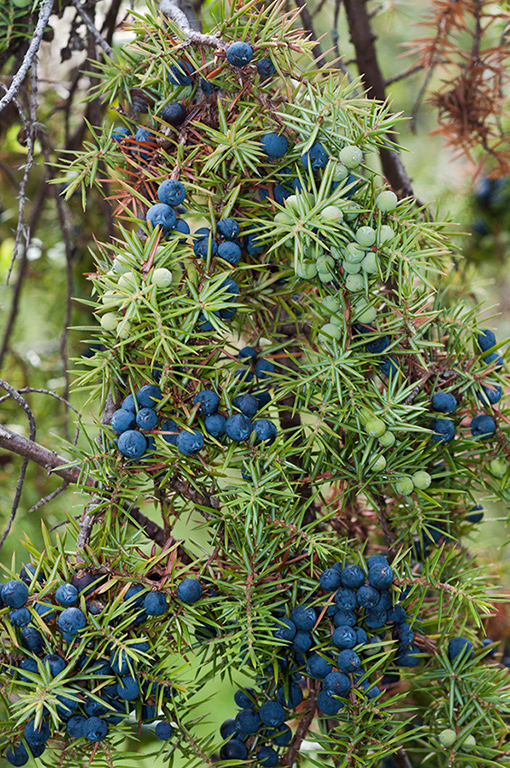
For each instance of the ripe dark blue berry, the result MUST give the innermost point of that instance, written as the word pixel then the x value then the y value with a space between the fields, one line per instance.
pixel 265 431
pixel 72 620
pixel 27 572
pixel 317 666
pixel 129 404
pixel 17 756
pixel 490 392
pixel 208 400
pixel 239 54
pixel 475 514
pixel 265 67
pixel 302 641
pixel 367 596
pixel 330 580
pixel 20 617
pixel 215 424
pixel 460 645
pixel 190 442
pixel 120 132
pixel 247 354
pixel 32 639
pixel 146 418
pixel 285 629
pixel 344 637
pixel 378 345
pixel 38 735
pixel 234 750
pixel 444 402
pixel 346 599
pixel 482 425
pixel 128 688
pixel 348 661
pixel 181 74
pixel 172 192
pixel 189 591
pixel 316 157
pixel 272 714
pixel 230 252
pixel 328 705
pixel 494 357
pixel 290 696
pixel 389 364
pixel 247 721
pixel 14 594
pixel 66 595
pixel 380 576
pixel 245 698
pixel 337 683
pixel 444 430
pixel 281 736
pixel 228 229
pixel 122 420
pixel 95 729
pixel 163 730
pixel 155 604
pixel 172 429
pixel 75 725
pixel 344 617
pixel 161 215
pixel 274 145
pixel 56 664
pixel 352 577
pixel 486 339
pixel 264 368
pixel 149 396
pixel 132 444
pixel 238 427
pixel 267 756
pixel 304 617
pixel 173 114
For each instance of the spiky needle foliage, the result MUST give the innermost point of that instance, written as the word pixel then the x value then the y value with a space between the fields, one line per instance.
pixel 343 296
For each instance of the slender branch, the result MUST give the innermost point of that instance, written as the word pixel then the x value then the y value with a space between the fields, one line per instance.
pixel 21 479
pixel 402 75
pixel 363 39
pixel 96 34
pixel 49 497
pixel 17 80
pixel 402 759
pixel 302 729
pixel 55 464
pixel 172 11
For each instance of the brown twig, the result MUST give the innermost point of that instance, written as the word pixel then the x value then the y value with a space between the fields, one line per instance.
pixel 302 729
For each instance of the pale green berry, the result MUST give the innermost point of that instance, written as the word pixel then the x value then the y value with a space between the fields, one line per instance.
pixel 354 282
pixel 337 320
pixel 335 252
pixel 127 280
pixel 329 332
pixel 386 201
pixel 120 267
pixel 282 217
pixel 306 270
pixel 498 467
pixel 352 212
pixel 351 269
pixel 109 321
pixel 386 233
pixel 331 304
pixel 370 264
pixel 379 464
pixel 161 277
pixel 340 173
pixel 387 439
pixel 354 253
pixel 422 480
pixel 366 236
pixel 291 201
pixel 325 277
pixel 313 252
pixel 323 262
pixel 351 156
pixel 123 329
pixel 332 213
pixel 470 741
pixel 375 427
pixel 448 737
pixel 404 486
pixel 364 312
pixel 110 297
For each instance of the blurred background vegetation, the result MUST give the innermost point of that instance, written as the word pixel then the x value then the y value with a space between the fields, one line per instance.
pixel 465 179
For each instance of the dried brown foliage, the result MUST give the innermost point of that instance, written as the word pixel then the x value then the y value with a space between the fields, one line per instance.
pixel 471 44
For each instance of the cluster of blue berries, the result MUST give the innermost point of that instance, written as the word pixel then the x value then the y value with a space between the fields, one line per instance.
pixel 121 677
pixel 137 417
pixel 482 425
pixel 255 724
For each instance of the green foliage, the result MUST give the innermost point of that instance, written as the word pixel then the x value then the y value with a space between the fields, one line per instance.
pixel 354 424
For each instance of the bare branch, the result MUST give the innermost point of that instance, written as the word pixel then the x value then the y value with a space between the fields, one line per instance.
pixel 17 80
pixel 96 34
pixel 49 497
pixel 172 11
